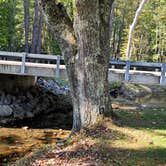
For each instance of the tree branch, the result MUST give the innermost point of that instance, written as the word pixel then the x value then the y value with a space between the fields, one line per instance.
pixel 59 22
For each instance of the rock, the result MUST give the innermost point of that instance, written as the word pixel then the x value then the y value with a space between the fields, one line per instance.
pixel 29 95
pixel 18 112
pixel 29 115
pixel 25 127
pixel 47 98
pixel 2 98
pixel 53 86
pixel 5 111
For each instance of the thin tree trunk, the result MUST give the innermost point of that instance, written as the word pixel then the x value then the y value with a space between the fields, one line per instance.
pixel 111 27
pixel 114 35
pixel 35 27
pixel 121 31
pixel 140 49
pixel 26 24
pixel 132 27
pixel 39 41
pixel 11 26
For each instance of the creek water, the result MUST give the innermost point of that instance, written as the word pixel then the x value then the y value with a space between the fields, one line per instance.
pixel 21 138
pixel 158 100
pixel 16 142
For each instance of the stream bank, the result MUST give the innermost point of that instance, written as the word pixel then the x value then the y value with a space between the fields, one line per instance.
pixel 27 106
pixel 33 117
pixel 51 113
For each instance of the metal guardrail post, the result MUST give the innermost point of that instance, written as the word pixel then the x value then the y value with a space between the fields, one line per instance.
pixel 58 66
pixel 162 77
pixel 23 63
pixel 127 76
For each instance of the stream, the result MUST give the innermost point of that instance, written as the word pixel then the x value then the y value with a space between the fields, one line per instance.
pixel 24 136
pixel 158 100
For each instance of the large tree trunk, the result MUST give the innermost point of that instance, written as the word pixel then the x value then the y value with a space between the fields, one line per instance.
pixel 91 97
pixel 86 60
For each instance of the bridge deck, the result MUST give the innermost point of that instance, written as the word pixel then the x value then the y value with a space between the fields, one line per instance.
pixel 18 63
pixel 32 69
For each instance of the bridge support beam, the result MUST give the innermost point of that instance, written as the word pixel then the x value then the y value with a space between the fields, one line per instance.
pixel 9 82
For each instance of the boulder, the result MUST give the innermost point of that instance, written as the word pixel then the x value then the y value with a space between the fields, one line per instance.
pixel 5 111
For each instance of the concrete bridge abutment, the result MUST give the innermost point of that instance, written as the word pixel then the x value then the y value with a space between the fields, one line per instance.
pixel 9 82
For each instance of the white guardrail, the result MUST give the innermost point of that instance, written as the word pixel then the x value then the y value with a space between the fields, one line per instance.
pixel 23 57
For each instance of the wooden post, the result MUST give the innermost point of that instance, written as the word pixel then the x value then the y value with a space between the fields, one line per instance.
pixel 58 66
pixel 23 63
pixel 163 71
pixel 127 76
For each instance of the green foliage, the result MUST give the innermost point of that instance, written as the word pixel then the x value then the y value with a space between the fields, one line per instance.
pixel 12 28
pixel 149 40
pixel 115 85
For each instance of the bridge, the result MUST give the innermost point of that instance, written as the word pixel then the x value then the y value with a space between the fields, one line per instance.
pixel 43 65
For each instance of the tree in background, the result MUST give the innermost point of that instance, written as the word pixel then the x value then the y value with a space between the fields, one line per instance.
pixel 37 29
pixel 132 27
pixel 26 24
pixel 149 38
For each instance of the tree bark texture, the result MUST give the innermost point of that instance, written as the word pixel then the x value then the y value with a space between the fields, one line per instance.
pixel 37 29
pixel 86 51
pixel 26 24
pixel 39 39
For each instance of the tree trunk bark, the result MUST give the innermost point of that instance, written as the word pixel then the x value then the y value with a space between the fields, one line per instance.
pixel 35 27
pixel 86 49
pixel 39 41
pixel 26 24
pixel 90 94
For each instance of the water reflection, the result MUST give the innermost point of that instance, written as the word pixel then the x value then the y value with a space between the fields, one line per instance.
pixel 16 142
pixel 157 99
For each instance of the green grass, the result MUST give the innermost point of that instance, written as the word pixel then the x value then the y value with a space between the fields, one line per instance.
pixel 148 128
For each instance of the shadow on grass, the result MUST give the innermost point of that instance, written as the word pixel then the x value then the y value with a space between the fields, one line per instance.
pixel 101 153
pixel 148 118
pixel 102 132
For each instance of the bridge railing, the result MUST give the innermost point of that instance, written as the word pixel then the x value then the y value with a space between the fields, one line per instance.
pixel 129 64
pixel 24 57
pixel 35 58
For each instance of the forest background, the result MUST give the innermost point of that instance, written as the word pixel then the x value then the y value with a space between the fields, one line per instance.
pixel 22 28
